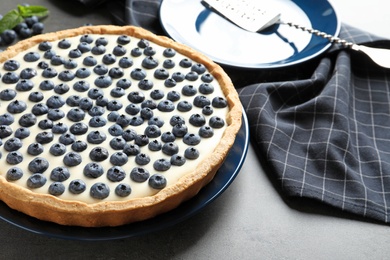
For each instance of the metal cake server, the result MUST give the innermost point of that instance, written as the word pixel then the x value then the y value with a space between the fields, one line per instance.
pixel 251 15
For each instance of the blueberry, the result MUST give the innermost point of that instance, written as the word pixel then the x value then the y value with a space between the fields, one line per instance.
pixel 79 146
pixel 125 62
pixel 131 149
pixel 87 38
pixel 170 83
pixel 5 131
pixel 132 109
pixel 81 86
pixel 55 114
pixel 136 121
pixel 99 190
pixel 14 157
pixel 66 75
pixel 70 64
pixel 168 64
pixel 123 39
pixel 145 84
pixel 43 65
pixel 49 73
pixel 201 101
pixel 177 160
pixel 216 122
pixel 142 159
pixel 157 181
pixel 149 62
pixel 75 114
pixel 10 78
pixel 75 53
pixel 141 140
pixel 57 149
pixel 178 76
pixel 161 73
pixel 143 43
pixel 98 154
pixel 36 180
pixel 7 94
pixel 44 137
pixel 117 92
pixel 73 100
pixel 184 106
pixel 14 174
pixel 38 165
pixel 192 76
pixel 103 81
pixel 207 110
pixel 72 159
pixel 35 149
pixel 59 128
pixel 136 97
pixel 57 60
pixel 77 186
pixel 83 73
pixel 157 94
pixel 13 144
pixel 46 85
pixel 60 173
pixel 31 56
pixel 101 101
pixel 11 65
pixel 56 188
pixel 28 73
pixel 94 93
pixel 188 90
pixel 123 83
pixel 206 88
pixel 84 47
pixel 129 134
pixel 136 52
pixel 152 131
pixel 89 61
pixel 123 190
pixel 64 44
pixel 149 51
pixel 67 139
pixel 98 50
pixel 35 96
pixel 22 133
pixel 6 119
pixel 149 104
pixel 101 41
pixel 24 85
pixel 55 101
pixel 191 153
pixel 108 59
pixel 27 120
pixel 170 148
pixel 138 74
pixel 123 120
pixel 155 145
pixel 179 130
pixel 146 113
pixel 19 26
pixel 166 106
pixel 167 137
pixel 37 28
pixel 16 106
pixel 93 170
pixel 185 63
pixel 96 137
pixel 39 109
pixel 191 139
pixel 96 111
pixel 139 174
pixel 169 52
pixel 219 102
pixel 49 54
pixel 100 69
pixel 197 120
pixel 115 130
pixel 113 116
pixel 117 143
pixel 119 50
pixel 31 20
pixel 116 174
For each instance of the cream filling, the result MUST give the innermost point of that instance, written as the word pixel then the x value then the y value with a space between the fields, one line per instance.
pixel 206 147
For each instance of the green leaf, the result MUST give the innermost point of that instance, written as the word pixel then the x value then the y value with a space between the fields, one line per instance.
pixel 33 10
pixel 10 20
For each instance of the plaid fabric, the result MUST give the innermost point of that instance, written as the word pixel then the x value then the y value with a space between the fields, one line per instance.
pixel 322 127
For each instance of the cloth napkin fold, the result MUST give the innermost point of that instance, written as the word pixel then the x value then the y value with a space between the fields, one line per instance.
pixel 321 127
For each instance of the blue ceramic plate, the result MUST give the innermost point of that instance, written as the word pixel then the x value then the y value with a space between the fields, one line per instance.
pixel 224 177
pixel 191 23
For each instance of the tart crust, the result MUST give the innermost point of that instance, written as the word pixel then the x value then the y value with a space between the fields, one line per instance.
pixel 115 213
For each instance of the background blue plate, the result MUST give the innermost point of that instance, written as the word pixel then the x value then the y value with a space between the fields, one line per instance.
pixel 224 177
pixel 191 23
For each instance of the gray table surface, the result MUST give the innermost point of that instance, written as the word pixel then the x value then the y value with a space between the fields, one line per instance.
pixel 250 220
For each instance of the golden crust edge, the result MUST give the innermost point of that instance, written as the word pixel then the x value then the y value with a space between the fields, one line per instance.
pixel 50 208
